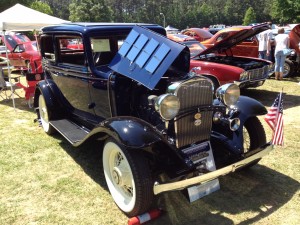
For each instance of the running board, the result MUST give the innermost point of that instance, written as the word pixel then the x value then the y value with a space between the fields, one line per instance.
pixel 71 131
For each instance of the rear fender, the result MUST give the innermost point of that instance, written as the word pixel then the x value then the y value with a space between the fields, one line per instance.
pixel 44 87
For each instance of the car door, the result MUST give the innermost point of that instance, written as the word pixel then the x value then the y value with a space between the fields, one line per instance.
pixel 71 74
pixel 16 57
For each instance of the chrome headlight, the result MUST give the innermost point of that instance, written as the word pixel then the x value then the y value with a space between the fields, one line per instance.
pixel 244 76
pixel 167 106
pixel 228 94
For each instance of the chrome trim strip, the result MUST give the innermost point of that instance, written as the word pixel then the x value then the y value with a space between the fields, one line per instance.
pixel 159 188
pixel 239 83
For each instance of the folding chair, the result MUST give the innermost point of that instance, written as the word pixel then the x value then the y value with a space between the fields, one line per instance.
pixel 8 86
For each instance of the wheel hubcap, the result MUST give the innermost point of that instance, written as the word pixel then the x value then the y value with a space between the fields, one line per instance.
pixel 117 176
pixel 121 175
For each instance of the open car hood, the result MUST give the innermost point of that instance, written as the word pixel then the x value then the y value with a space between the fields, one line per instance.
pixel 236 38
pixel 145 57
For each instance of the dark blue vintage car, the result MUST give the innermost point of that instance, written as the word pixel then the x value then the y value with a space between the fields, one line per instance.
pixel 130 86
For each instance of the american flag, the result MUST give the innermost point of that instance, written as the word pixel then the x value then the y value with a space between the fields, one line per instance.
pixel 274 118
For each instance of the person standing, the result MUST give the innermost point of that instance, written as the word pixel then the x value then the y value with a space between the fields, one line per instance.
pixel 282 41
pixel 264 43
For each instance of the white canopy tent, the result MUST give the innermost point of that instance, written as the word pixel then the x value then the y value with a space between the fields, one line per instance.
pixel 22 18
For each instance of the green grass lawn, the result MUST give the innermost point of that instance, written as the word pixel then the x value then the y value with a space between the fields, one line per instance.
pixel 44 180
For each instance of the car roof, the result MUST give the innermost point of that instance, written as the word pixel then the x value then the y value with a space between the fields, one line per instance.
pixel 87 27
pixel 180 37
pixel 201 32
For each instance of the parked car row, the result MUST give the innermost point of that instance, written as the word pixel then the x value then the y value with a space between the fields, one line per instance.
pixel 249 47
pixel 218 58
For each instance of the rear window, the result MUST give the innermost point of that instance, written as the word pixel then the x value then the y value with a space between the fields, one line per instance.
pixel 70 50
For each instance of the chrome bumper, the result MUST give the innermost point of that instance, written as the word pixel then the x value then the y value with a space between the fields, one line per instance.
pixel 178 185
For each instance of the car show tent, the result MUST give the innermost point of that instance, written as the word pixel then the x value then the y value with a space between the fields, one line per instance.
pixel 22 18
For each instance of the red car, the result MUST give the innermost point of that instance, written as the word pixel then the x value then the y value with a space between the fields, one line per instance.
pixel 221 66
pixel 247 47
pixel 12 39
pixel 293 60
pixel 22 53
pixel 25 56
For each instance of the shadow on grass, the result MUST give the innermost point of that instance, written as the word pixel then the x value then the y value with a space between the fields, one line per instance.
pixel 259 191
pixel 20 104
pixel 88 156
pixel 267 97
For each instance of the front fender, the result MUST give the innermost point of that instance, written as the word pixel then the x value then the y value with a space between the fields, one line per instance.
pixel 246 108
pixel 135 133
pixel 249 107
pixel 132 132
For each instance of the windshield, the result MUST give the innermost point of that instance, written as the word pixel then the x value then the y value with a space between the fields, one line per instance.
pixel 22 37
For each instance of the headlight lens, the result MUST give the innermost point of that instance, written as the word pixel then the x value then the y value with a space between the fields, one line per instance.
pixel 167 106
pixel 244 76
pixel 228 94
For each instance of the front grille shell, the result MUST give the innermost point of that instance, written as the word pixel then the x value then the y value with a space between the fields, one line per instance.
pixel 258 73
pixel 195 96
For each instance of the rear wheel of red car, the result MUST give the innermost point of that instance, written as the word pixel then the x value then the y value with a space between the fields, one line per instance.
pixel 254 136
pixel 128 178
pixel 288 68
pixel 44 115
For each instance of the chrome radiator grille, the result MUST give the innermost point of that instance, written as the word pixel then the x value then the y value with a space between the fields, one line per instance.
pixel 258 73
pixel 193 94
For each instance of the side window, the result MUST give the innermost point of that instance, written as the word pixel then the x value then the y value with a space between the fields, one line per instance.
pixel 251 39
pixel 47 48
pixel 102 51
pixel 70 50
pixel 19 48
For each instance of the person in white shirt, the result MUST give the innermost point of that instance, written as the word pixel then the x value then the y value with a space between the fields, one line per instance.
pixel 282 41
pixel 264 43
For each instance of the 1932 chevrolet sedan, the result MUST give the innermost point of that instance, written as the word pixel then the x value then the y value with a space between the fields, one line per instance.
pixel 130 86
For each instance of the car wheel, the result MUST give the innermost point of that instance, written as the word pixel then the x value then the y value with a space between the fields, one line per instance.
pixel 44 115
pixel 254 137
pixel 288 68
pixel 128 178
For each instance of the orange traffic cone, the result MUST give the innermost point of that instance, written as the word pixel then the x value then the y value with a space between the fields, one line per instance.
pixel 138 220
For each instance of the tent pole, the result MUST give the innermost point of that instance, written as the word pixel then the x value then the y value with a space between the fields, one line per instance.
pixel 8 71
